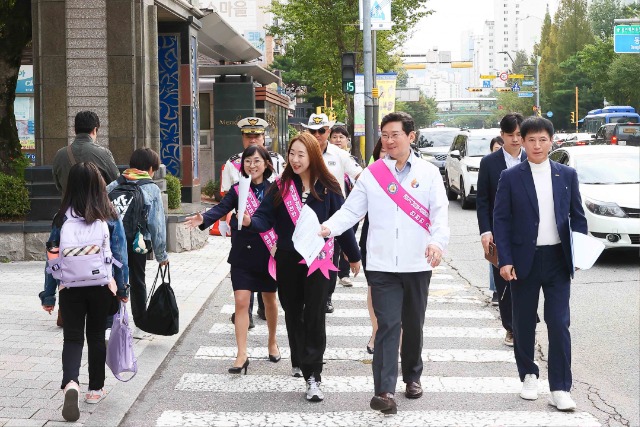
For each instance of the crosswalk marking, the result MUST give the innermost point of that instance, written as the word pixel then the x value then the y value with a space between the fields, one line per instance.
pixel 432 286
pixel 370 418
pixel 457 299
pixel 346 384
pixel 359 354
pixel 365 331
pixel 363 312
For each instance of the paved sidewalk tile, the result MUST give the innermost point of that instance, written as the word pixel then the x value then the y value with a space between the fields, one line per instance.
pixel 31 343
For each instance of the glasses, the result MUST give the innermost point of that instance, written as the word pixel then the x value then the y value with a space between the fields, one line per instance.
pixel 320 131
pixel 250 162
pixel 394 136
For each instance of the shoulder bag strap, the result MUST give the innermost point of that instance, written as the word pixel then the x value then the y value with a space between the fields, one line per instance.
pixel 72 159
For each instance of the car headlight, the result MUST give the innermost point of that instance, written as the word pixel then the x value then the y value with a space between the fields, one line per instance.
pixel 472 169
pixel 427 157
pixel 604 208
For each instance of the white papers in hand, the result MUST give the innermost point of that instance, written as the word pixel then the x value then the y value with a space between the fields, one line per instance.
pixel 586 250
pixel 244 186
pixel 305 236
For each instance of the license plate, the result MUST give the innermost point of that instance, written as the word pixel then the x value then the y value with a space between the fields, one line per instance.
pixel 622 142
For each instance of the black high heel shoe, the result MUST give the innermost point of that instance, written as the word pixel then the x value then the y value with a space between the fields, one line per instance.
pixel 369 349
pixel 275 359
pixel 237 370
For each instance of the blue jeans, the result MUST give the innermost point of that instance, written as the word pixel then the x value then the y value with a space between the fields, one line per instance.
pixel 492 283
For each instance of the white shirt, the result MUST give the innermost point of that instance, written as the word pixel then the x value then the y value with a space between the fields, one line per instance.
pixel 231 175
pixel 547 229
pixel 396 243
pixel 339 163
pixel 510 160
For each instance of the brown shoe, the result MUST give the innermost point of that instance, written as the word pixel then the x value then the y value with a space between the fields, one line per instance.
pixel 508 339
pixel 413 390
pixel 385 403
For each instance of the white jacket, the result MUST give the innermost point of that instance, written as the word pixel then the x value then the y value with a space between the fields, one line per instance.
pixel 396 243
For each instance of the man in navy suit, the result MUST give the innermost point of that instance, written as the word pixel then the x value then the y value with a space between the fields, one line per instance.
pixel 537 207
pixel 511 154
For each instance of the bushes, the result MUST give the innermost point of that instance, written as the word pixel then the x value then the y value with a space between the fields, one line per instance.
pixel 173 191
pixel 209 188
pixel 14 197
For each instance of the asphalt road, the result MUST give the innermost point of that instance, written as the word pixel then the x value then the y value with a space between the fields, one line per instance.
pixel 605 307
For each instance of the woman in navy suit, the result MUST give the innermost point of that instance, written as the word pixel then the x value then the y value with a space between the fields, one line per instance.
pixel 303 294
pixel 249 256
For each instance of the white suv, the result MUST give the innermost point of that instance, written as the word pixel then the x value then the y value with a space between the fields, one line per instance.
pixel 463 163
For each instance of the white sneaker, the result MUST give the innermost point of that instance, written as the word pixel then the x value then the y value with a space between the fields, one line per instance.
pixel 529 387
pixel 296 372
pixel 107 334
pixel 346 282
pixel 314 394
pixel 562 400
pixel 70 407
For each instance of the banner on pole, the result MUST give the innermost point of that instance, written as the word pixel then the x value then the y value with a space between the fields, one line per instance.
pixel 380 15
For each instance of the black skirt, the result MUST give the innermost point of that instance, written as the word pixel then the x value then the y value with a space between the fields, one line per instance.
pixel 246 280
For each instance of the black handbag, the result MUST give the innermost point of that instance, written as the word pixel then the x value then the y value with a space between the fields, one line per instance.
pixel 162 316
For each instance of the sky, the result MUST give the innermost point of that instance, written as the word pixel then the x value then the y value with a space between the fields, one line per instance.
pixel 444 27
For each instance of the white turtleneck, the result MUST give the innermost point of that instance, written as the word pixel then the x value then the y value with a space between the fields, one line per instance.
pixel 547 229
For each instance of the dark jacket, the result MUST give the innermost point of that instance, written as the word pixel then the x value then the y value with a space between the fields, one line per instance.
pixel 84 150
pixel 491 166
pixel 248 251
pixel 269 216
pixel 516 215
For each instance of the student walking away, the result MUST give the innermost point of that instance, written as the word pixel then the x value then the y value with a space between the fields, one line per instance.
pixel 252 265
pixel 406 202
pixel 537 207
pixel 491 166
pixel 303 288
pixel 138 202
pixel 339 163
pixel 252 130
pixel 87 261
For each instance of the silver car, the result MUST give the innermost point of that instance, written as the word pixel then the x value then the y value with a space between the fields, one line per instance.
pixel 434 144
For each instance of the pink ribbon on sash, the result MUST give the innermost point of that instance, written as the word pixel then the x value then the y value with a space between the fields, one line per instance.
pixel 236 164
pixel 399 195
pixel 269 237
pixel 324 260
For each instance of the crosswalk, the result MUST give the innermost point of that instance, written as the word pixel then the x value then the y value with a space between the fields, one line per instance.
pixel 466 366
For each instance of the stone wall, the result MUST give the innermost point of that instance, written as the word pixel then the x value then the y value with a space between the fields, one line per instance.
pixel 21 246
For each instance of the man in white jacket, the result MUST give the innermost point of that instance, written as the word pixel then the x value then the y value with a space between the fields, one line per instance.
pixel 405 199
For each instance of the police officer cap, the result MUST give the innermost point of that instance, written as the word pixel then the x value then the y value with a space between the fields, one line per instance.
pixel 252 125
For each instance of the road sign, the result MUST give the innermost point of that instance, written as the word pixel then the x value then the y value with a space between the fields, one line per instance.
pixel 528 83
pixel 504 76
pixel 515 87
pixel 549 114
pixel 525 94
pixel 626 39
pixel 516 76
pixel 474 89
pixel 503 89
pixel 486 83
pixel 487 77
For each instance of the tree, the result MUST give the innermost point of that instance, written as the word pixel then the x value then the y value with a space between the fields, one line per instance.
pixel 509 102
pixel 622 87
pixel 423 111
pixel 601 16
pixel 15 34
pixel 574 30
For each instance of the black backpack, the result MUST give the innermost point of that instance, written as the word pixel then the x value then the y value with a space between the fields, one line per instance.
pixel 128 201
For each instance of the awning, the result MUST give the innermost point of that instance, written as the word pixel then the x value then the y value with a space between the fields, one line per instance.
pixel 218 40
pixel 258 73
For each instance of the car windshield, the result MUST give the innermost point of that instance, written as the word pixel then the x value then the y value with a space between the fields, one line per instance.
pixel 609 169
pixel 628 130
pixel 478 146
pixel 437 138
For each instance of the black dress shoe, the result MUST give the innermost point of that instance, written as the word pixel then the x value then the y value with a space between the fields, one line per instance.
pixel 261 313
pixel 329 307
pixel 385 403
pixel 238 369
pixel 413 390
pixel 275 359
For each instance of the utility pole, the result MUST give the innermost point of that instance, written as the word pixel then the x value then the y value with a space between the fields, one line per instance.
pixel 368 79
pixel 577 116
pixel 374 73
pixel 538 85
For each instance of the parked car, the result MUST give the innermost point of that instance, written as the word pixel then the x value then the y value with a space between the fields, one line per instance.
pixel 618 134
pixel 609 178
pixel 463 163
pixel 434 144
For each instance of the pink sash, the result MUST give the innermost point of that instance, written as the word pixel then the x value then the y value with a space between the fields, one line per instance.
pixel 236 163
pixel 324 261
pixel 268 237
pixel 399 195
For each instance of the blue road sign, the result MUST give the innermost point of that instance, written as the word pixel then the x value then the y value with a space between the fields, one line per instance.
pixel 515 87
pixel 528 83
pixel 525 94
pixel 549 114
pixel 626 39
pixel 486 83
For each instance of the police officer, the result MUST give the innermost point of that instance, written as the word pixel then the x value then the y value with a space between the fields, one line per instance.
pixel 253 131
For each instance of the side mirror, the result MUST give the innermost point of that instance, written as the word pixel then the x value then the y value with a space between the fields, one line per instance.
pixel 593 136
pixel 455 154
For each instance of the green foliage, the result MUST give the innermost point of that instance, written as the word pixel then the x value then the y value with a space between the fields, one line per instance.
pixel 574 29
pixel 622 88
pixel 173 191
pixel 423 111
pixel 292 132
pixel 601 16
pixel 14 197
pixel 209 188
pixel 509 103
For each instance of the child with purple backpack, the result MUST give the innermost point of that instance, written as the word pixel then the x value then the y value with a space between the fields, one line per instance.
pixel 87 261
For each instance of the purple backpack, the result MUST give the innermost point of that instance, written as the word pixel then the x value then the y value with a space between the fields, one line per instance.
pixel 120 357
pixel 85 257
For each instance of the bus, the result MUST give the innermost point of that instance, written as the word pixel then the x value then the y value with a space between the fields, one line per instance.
pixel 611 114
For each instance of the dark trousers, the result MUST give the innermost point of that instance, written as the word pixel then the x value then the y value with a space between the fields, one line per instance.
pixel 138 290
pixel 551 274
pixel 260 303
pixel 504 299
pixel 303 301
pixel 399 302
pixel 77 304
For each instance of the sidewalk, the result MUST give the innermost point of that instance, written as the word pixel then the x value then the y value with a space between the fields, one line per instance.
pixel 31 343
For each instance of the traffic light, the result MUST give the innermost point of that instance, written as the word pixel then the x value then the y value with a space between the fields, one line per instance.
pixel 573 117
pixel 349 72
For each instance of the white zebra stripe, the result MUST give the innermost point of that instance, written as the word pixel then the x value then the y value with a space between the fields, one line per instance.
pixel 433 286
pixel 371 418
pixel 365 331
pixel 359 354
pixel 458 299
